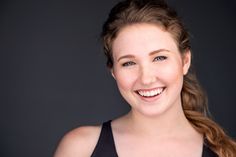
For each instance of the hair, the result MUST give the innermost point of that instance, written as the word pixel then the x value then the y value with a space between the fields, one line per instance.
pixel 194 100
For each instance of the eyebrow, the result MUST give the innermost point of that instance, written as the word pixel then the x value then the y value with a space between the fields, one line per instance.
pixel 150 54
pixel 158 51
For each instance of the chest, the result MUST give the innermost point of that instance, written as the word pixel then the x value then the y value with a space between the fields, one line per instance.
pixel 161 148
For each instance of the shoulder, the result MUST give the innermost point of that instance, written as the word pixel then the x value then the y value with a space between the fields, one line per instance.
pixel 79 142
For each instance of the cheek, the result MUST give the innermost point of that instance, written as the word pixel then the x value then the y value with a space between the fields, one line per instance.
pixel 125 80
pixel 171 72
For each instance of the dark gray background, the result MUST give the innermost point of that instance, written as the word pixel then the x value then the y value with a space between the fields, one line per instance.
pixel 53 74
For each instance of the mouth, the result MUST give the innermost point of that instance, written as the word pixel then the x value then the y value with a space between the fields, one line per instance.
pixel 150 93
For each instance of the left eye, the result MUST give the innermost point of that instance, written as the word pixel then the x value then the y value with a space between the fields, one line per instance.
pixel 160 58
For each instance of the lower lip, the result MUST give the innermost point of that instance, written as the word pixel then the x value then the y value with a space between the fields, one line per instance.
pixel 152 98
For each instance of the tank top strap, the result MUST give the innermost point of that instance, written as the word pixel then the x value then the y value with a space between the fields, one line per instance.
pixel 105 145
pixel 207 152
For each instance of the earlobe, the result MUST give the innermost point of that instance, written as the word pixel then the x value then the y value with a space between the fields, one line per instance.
pixel 186 62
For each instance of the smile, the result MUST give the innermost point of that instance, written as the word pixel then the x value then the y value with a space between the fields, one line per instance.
pixel 150 93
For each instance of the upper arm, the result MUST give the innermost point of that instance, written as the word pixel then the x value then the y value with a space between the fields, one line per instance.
pixel 79 142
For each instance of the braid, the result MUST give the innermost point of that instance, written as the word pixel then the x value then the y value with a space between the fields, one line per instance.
pixel 193 98
pixel 195 108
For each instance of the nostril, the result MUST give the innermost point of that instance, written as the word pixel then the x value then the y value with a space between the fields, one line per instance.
pixel 148 79
pixel 147 76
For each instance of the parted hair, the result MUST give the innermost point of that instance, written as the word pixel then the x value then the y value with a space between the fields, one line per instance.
pixel 194 99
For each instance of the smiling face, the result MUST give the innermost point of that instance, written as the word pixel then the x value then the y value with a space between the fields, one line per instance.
pixel 149 69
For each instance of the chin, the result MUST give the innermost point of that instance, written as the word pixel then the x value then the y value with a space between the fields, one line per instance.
pixel 156 110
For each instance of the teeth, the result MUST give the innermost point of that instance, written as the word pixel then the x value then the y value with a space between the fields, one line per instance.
pixel 151 93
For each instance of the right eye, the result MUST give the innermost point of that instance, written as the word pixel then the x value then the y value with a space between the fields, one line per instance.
pixel 128 64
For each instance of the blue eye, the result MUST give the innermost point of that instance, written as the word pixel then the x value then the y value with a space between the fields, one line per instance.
pixel 160 58
pixel 128 64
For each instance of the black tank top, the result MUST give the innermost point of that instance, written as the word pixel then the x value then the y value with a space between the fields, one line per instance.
pixel 106 145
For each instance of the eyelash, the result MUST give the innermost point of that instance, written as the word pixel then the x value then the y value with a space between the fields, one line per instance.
pixel 158 58
pixel 128 64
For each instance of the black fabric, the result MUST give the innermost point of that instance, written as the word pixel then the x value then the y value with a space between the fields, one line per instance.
pixel 207 152
pixel 106 145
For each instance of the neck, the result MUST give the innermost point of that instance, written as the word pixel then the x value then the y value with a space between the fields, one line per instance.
pixel 172 122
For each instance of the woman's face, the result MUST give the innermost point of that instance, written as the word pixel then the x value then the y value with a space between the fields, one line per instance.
pixel 149 69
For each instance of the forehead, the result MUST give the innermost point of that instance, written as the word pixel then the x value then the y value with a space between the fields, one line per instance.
pixel 141 38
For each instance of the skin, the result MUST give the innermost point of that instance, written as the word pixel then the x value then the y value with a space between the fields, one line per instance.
pixel 146 58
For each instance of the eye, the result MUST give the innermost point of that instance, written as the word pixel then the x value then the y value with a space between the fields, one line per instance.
pixel 160 58
pixel 128 64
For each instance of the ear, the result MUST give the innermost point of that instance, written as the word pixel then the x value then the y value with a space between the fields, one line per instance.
pixel 112 73
pixel 186 61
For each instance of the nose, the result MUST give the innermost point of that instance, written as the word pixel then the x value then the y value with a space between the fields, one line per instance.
pixel 147 75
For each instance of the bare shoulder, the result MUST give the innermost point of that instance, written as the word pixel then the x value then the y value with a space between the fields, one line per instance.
pixel 79 142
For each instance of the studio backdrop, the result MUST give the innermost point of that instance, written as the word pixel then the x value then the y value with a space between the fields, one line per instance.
pixel 54 77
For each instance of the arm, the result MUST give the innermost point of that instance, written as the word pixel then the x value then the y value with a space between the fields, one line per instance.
pixel 79 142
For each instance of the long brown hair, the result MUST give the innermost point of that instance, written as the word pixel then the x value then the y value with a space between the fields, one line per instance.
pixel 194 100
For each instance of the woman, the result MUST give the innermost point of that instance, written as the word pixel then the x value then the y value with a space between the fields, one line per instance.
pixel 148 53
